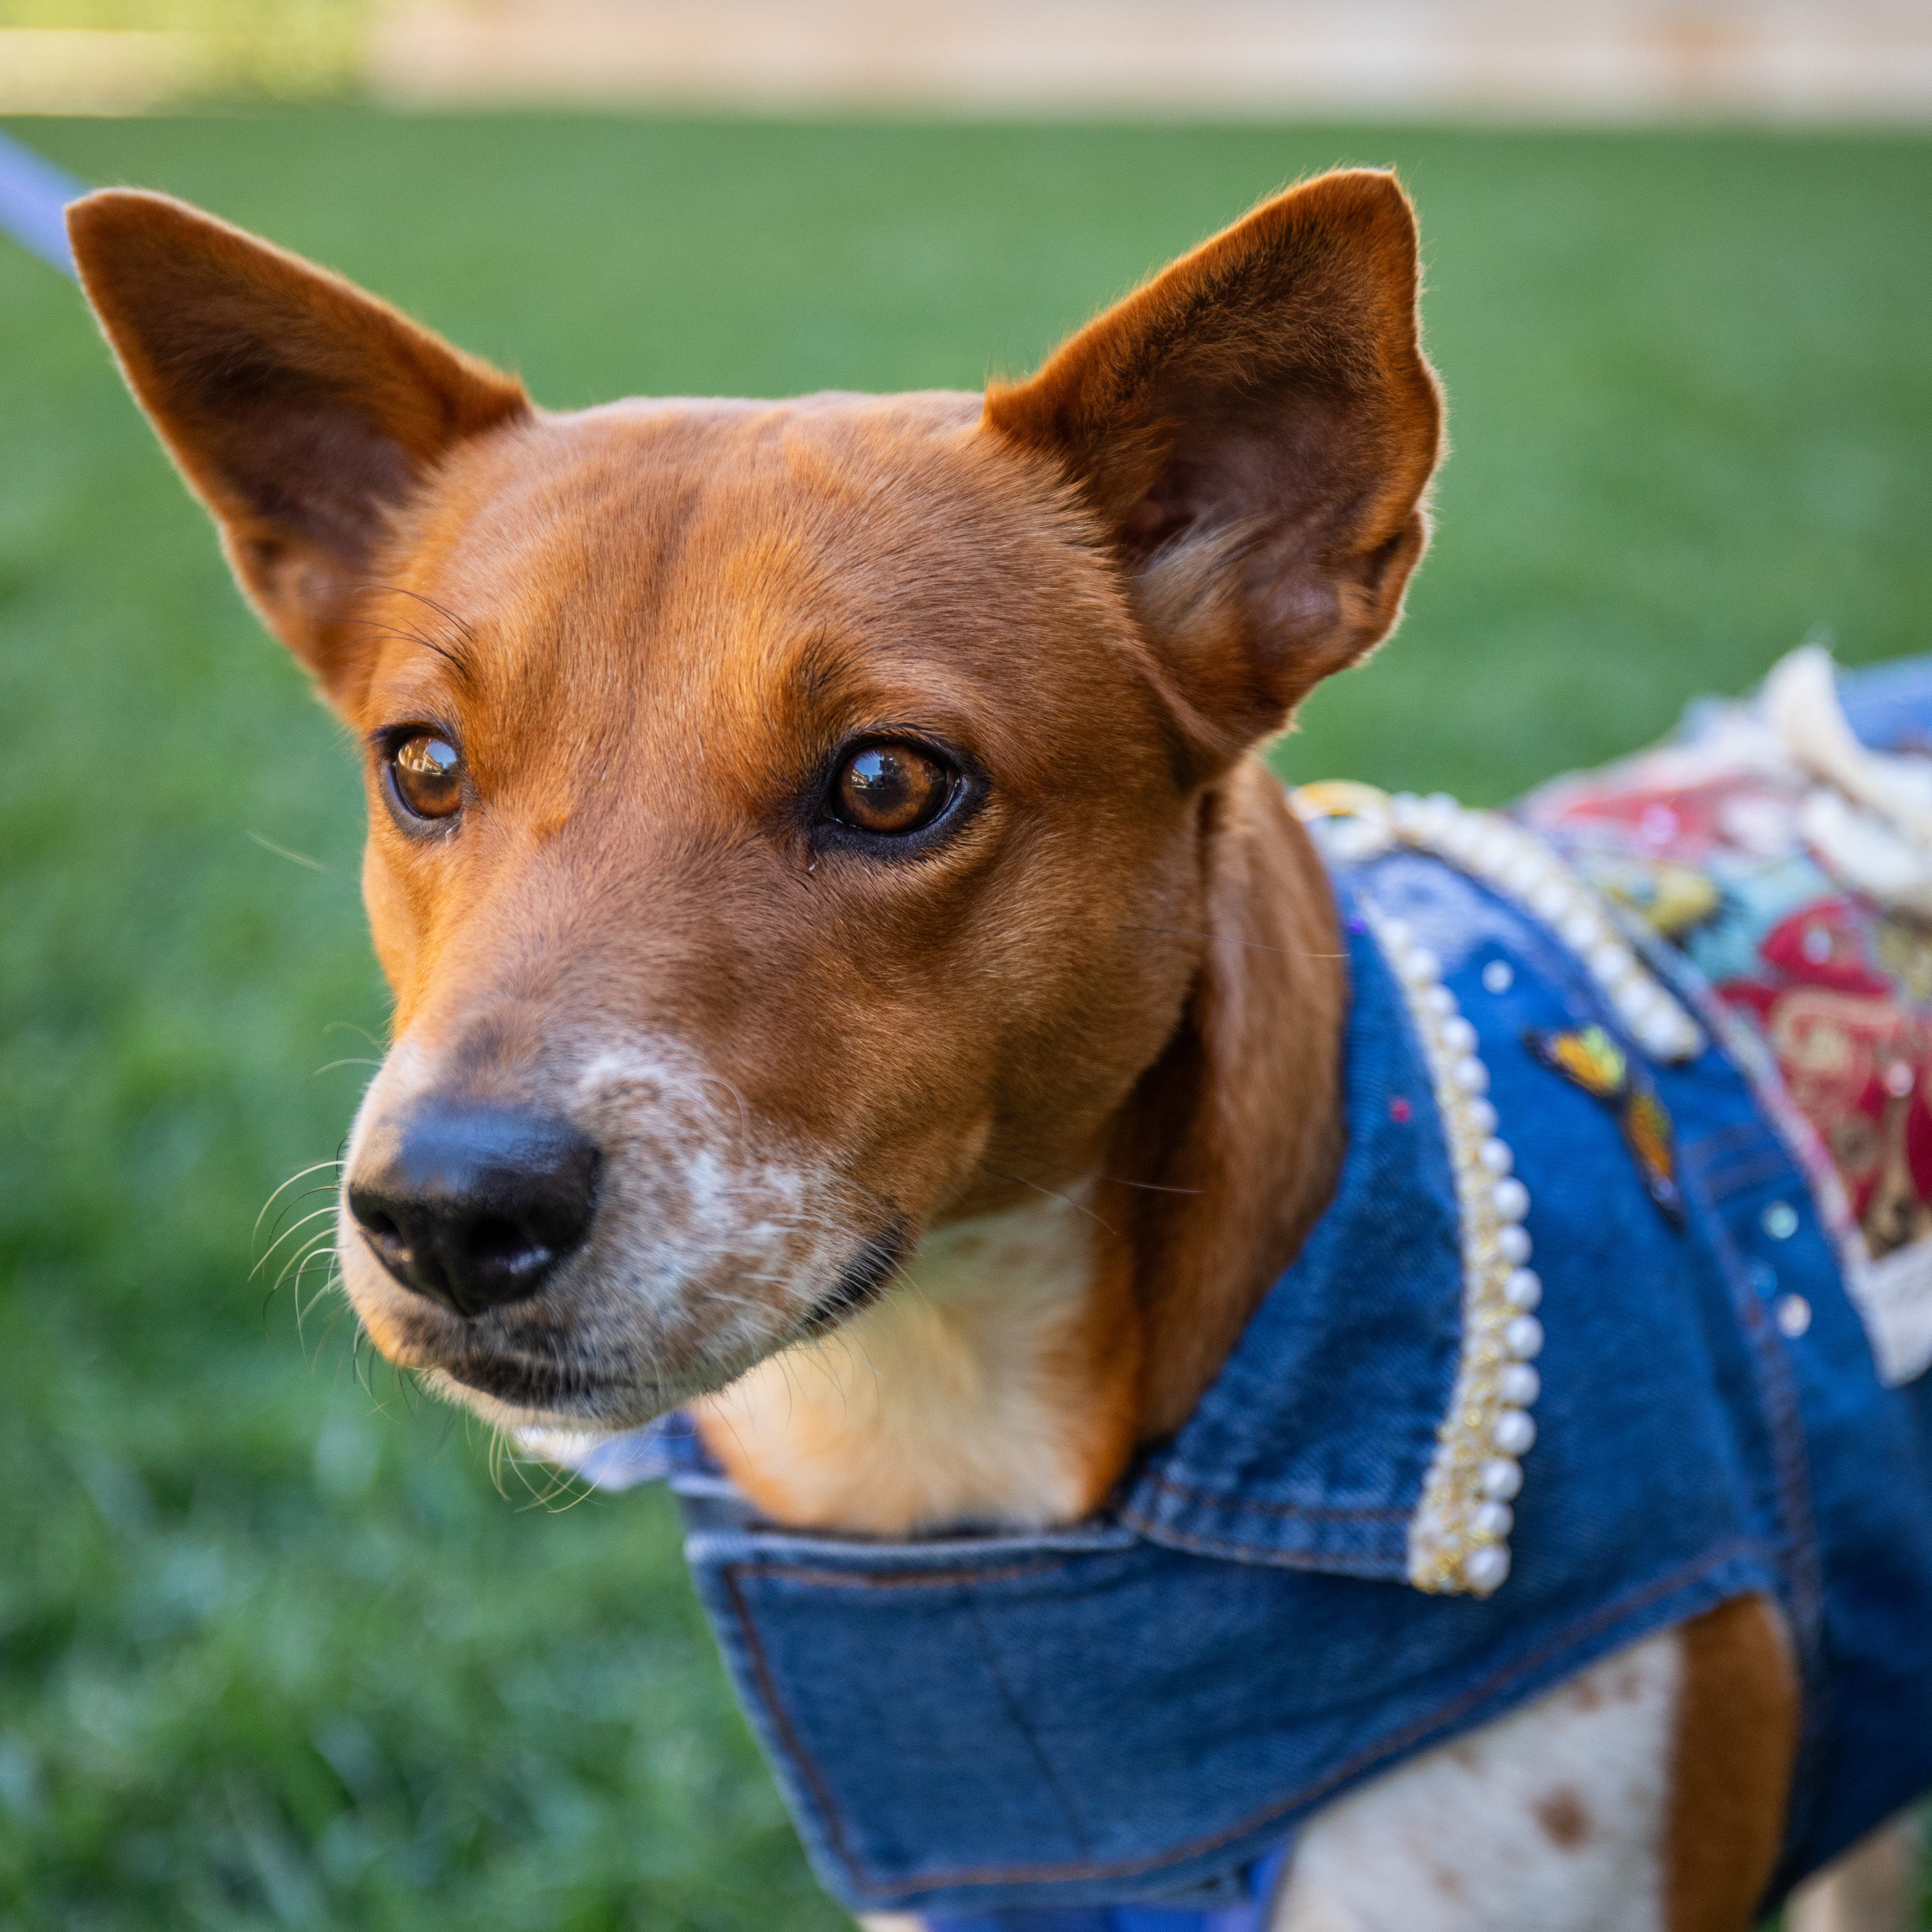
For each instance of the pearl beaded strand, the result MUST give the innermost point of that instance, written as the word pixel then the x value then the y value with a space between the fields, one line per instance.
pixel 1458 1537
pixel 1516 864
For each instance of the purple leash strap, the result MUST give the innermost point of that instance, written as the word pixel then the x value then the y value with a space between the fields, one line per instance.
pixel 34 195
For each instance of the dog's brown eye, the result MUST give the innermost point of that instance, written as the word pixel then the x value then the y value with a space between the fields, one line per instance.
pixel 890 789
pixel 428 775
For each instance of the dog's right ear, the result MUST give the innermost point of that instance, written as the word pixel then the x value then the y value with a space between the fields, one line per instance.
pixel 302 411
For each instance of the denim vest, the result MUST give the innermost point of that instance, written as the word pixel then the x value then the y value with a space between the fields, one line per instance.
pixel 1119 1725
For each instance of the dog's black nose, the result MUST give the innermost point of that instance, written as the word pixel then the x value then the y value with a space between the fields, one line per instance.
pixel 474 1206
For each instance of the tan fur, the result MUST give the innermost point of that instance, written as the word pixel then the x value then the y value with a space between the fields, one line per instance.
pixel 1235 1133
pixel 1735 1739
pixel 945 1402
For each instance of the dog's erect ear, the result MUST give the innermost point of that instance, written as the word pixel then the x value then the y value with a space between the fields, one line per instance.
pixel 1254 428
pixel 301 411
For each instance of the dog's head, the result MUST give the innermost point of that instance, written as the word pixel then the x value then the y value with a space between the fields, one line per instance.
pixel 785 818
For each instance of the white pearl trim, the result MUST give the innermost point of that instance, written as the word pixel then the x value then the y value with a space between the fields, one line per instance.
pixel 1520 866
pixel 1458 1538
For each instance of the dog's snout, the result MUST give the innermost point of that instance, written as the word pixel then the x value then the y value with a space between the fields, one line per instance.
pixel 474 1206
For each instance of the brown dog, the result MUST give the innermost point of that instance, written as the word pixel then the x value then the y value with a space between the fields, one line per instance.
pixel 817 843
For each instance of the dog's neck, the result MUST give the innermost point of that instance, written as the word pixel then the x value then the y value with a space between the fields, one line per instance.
pixel 1008 1377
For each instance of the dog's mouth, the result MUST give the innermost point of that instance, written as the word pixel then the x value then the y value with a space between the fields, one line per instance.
pixel 598 1396
pixel 625 1391
pixel 868 1277
pixel 565 1386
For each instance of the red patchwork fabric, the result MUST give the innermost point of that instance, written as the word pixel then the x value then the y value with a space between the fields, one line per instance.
pixel 1839 987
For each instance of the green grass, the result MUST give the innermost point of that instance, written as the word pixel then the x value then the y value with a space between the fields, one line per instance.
pixel 273 1654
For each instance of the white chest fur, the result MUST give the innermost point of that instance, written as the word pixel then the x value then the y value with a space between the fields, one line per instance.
pixel 1550 1820
pixel 946 1401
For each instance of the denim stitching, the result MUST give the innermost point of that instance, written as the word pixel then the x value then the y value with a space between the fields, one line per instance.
pixel 1772 1164
pixel 1374 1569
pixel 1210 1500
pixel 1799 1562
pixel 911 1580
pixel 1050 1777
pixel 807 1764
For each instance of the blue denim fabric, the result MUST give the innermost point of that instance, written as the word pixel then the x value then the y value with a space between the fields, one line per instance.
pixel 1076 1732
pixel 1242 1907
pixel 1889 705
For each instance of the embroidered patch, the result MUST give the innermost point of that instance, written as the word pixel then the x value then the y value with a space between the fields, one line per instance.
pixel 1589 1058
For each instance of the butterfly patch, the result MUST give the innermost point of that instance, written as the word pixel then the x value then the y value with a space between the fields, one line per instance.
pixel 1589 1058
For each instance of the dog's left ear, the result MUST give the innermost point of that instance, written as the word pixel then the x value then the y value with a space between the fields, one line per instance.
pixel 1254 428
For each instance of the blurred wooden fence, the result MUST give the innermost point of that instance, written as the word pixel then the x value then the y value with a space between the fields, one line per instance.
pixel 1558 61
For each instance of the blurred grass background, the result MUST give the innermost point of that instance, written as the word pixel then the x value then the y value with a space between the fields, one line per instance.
pixel 273 1651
